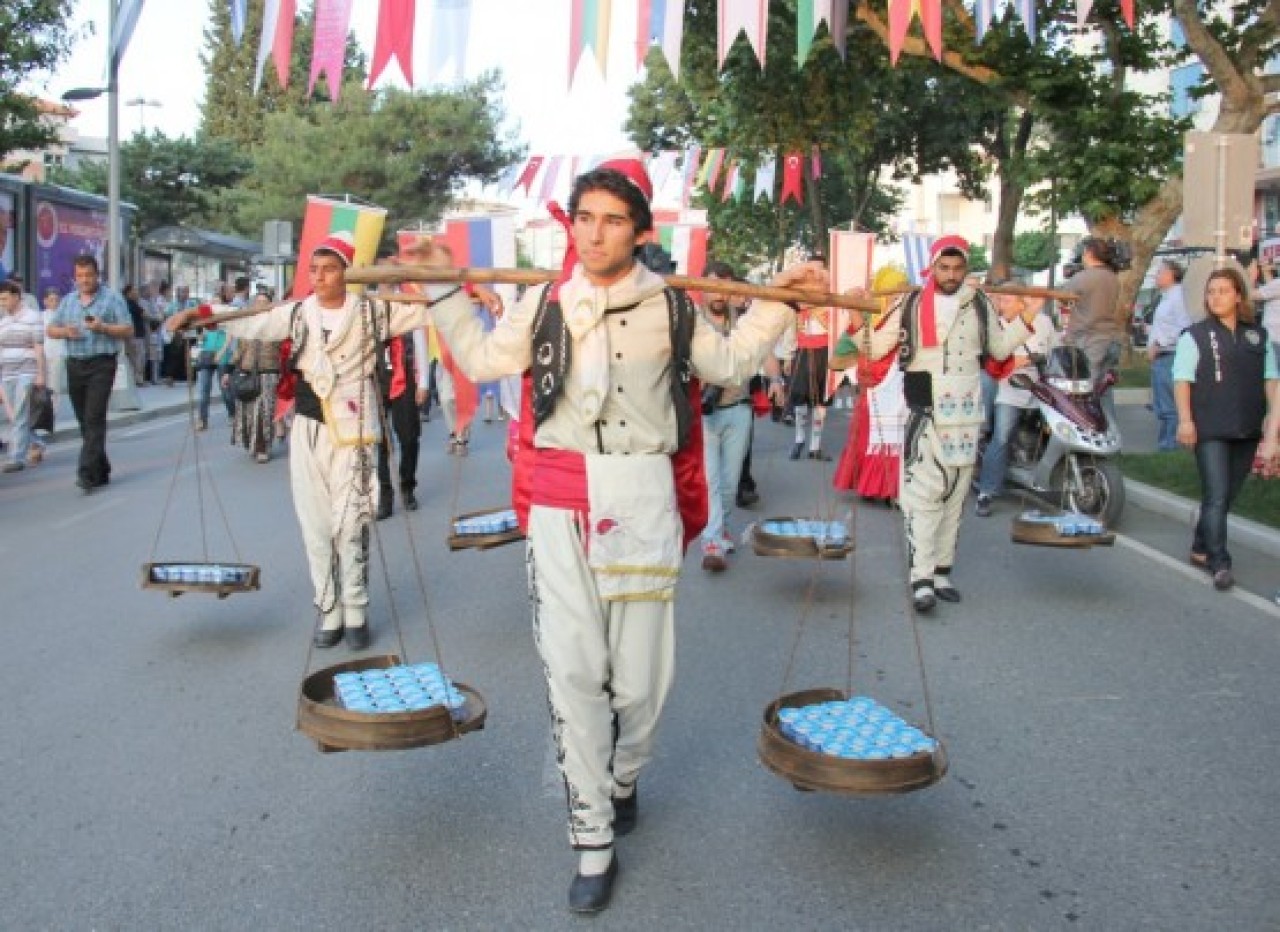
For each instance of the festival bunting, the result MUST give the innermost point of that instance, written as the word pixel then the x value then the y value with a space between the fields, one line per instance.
pixel 1026 10
pixel 811 14
pixel 277 40
pixel 711 169
pixel 1126 10
pixel 688 173
pixel 749 16
pixel 1083 9
pixel 450 32
pixel 984 11
pixel 549 178
pixel 660 22
pixel 333 17
pixel 530 172
pixel 766 175
pixel 733 182
pixel 661 168
pixel 901 12
pixel 127 12
pixel 686 243
pixel 589 28
pixel 394 39
pixel 325 216
pixel 916 248
pixel 239 16
pixel 792 179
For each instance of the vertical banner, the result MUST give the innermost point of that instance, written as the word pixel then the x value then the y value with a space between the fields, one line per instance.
pixel 850 267
pixel 277 40
pixel 810 14
pixel 792 179
pixel 239 15
pixel 530 172
pixel 333 18
pixel 450 33
pixel 660 22
pixel 325 216
pixel 687 245
pixel 689 173
pixel 549 178
pixel 1027 10
pixel 589 29
pixel 915 247
pixel 766 175
pixel 127 13
pixel 1083 9
pixel 394 39
pixel 749 16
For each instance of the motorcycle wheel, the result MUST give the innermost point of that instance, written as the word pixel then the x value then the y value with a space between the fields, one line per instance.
pixel 1099 490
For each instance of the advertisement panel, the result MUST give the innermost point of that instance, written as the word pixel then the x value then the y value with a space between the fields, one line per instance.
pixel 63 231
pixel 8 233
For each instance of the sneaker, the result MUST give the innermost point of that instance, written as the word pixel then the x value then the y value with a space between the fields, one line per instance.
pixel 797 451
pixel 727 542
pixel 13 466
pixel 923 598
pixel 818 454
pixel 746 498
pixel 713 560
pixel 1223 580
pixel 982 508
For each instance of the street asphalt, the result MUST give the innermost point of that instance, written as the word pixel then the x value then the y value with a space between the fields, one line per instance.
pixel 1106 715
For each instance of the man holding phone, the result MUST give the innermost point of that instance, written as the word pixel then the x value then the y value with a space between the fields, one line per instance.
pixel 93 320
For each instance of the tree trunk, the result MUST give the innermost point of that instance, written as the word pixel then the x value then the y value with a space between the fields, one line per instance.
pixel 1011 194
pixel 817 216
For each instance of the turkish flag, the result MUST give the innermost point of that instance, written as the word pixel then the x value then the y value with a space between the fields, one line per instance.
pixel 530 172
pixel 793 178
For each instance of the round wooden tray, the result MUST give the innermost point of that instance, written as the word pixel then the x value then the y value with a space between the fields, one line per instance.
pixel 809 770
pixel 334 728
pixel 766 544
pixel 1045 534
pixel 482 541
pixel 250 582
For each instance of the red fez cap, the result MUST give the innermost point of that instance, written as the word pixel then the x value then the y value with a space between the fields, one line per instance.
pixel 341 245
pixel 634 171
pixel 948 244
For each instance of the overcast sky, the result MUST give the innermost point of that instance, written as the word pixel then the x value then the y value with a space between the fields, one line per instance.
pixel 526 39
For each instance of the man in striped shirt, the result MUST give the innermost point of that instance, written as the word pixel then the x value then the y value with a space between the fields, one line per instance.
pixel 93 320
pixel 22 365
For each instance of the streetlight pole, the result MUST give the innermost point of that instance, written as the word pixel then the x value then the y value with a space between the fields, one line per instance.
pixel 113 151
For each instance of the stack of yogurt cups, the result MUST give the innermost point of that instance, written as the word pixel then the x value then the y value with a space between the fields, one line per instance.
pixel 398 689
pixel 854 729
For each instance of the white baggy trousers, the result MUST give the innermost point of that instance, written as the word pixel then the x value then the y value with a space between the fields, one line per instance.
pixel 609 666
pixel 334 495
pixel 932 500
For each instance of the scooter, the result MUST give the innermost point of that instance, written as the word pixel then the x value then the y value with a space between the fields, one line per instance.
pixel 1064 448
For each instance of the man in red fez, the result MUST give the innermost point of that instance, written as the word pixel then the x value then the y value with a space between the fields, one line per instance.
pixel 611 355
pixel 943 332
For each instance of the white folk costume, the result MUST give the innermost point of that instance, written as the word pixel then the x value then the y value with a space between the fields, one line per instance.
pixel 941 340
pixel 809 390
pixel 332 444
pixel 604 529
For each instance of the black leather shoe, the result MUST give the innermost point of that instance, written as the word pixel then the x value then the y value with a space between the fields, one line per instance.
pixel 746 498
pixel 590 893
pixel 327 637
pixel 410 501
pixel 384 506
pixel 924 599
pixel 797 451
pixel 626 812
pixel 358 637
pixel 947 593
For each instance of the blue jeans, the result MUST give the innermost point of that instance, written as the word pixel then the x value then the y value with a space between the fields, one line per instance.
pixel 990 386
pixel 205 378
pixel 726 435
pixel 1223 465
pixel 17 388
pixel 1162 401
pixel 995 458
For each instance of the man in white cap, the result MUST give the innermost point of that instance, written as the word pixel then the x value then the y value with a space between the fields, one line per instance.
pixel 943 331
pixel 608 423
pixel 332 447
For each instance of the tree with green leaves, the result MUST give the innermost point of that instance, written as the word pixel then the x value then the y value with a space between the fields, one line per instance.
pixel 231 108
pixel 410 152
pixel 171 181
pixel 34 38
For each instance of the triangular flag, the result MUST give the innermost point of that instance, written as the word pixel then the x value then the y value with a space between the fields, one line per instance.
pixel 660 22
pixel 530 172
pixel 1027 10
pixel 394 39
pixel 450 33
pixel 749 16
pixel 931 20
pixel 660 169
pixel 333 17
pixel 689 172
pixel 1083 9
pixel 811 14
pixel 239 15
pixel 549 177
pixel 589 29
pixel 277 40
pixel 901 12
pixel 792 179
pixel 127 12
pixel 766 175
pixel 711 169
pixel 730 182
pixel 1126 10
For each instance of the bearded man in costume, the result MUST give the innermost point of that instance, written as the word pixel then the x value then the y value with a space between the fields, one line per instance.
pixel 611 474
pixel 942 333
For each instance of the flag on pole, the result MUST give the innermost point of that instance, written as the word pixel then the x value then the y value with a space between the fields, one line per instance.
pixel 239 15
pixel 394 38
pixel 686 243
pixel 916 248
pixel 277 40
pixel 127 12
pixel 660 22
pixel 589 28
pixel 325 216
pixel 792 179
pixel 329 47
pixel 850 267
pixel 749 16
pixel 766 175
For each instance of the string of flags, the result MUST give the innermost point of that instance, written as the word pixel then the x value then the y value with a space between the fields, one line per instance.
pixel 591 23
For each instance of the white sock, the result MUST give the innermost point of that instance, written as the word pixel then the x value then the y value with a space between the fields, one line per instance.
pixel 624 790
pixel 819 419
pixel 942 581
pixel 353 616
pixel 595 861
pixel 802 421
pixel 332 619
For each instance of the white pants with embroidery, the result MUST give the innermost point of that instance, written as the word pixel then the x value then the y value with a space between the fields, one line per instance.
pixel 334 495
pixel 933 495
pixel 605 662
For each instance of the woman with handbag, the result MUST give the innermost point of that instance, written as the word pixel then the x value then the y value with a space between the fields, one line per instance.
pixel 22 367
pixel 211 357
pixel 252 381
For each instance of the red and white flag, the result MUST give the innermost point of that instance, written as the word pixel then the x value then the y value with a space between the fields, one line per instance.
pixel 792 179
pixel 395 39
pixel 333 17
pixel 660 22
pixel 749 16
pixel 277 40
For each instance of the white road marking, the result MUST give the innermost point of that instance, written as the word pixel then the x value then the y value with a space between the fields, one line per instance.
pixel 87 513
pixel 1199 575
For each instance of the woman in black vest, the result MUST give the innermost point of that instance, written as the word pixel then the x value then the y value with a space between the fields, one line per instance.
pixel 1225 383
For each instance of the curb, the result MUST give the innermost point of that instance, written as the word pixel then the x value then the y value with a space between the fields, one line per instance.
pixel 1131 396
pixel 71 431
pixel 1248 533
